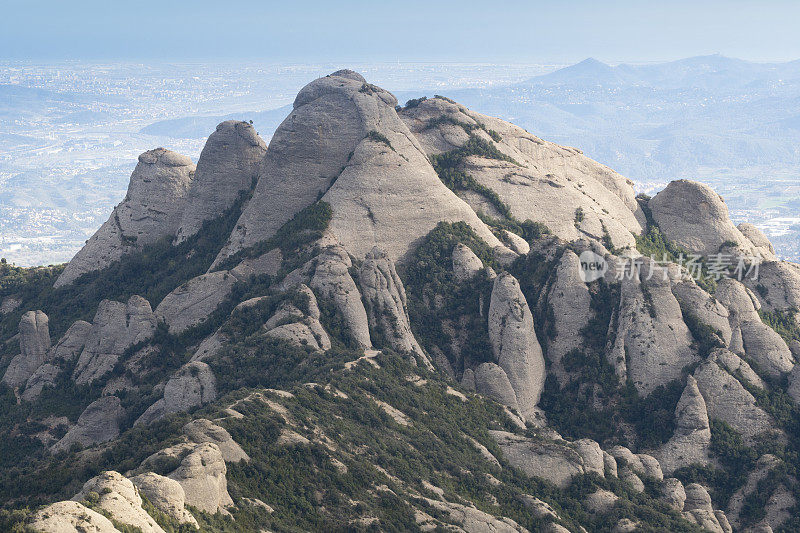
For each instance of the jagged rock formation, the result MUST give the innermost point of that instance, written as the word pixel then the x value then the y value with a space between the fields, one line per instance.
pixel 385 298
pixel 727 400
pixel 545 183
pixel 551 460
pixel 99 422
pixel 201 474
pixel 117 496
pixel 192 302
pixel 193 385
pixel 202 430
pixel 779 504
pixel 465 263
pixel 570 302
pixel 694 216
pixel 514 343
pixel 777 285
pixel 64 352
pixel 760 241
pixel 698 509
pixel 344 139
pixel 692 438
pixel 301 328
pixel 227 166
pixel 34 343
pixel 68 517
pixel 115 328
pixel 151 210
pixel 758 341
pixel 653 343
pixel 706 309
pixel 166 495
pixel 333 282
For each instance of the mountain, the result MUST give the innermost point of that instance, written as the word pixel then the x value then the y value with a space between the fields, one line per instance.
pixel 401 318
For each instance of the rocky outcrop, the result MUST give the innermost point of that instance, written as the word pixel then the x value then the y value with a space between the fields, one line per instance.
pixel 759 241
pixel 600 501
pixel 514 343
pixel 469 519
pixel 202 430
pixel 301 328
pixel 778 504
pixel 333 283
pixel 492 381
pixel 726 399
pixel 44 376
pixel 557 462
pixel 166 495
pixel 706 309
pixel 466 264
pixel 652 344
pixel 117 496
pixel 344 139
pixel 692 438
pixel 228 165
pixel 200 472
pixel 191 303
pixel 191 386
pixel 777 285
pixel 100 422
pixel 70 517
pixel 152 209
pixel 758 341
pixel 697 508
pixel 385 301
pixel 115 328
pixel 673 493
pixel 570 302
pixel 34 343
pixel 541 181
pixel 693 216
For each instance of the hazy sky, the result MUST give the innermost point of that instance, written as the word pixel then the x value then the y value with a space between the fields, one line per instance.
pixel 468 31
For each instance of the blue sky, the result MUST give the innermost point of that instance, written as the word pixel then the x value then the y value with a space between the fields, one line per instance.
pixel 317 31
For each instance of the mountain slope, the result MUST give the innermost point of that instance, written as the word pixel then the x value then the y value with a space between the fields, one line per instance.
pixel 390 329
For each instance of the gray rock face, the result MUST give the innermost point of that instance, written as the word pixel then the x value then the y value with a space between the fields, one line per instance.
pixel 548 183
pixel 600 501
pixel 115 328
pixel 34 343
pixel 227 166
pixel 694 216
pixel 673 493
pixel 777 285
pixel 708 310
pixel 192 302
pixel 202 430
pixel 692 438
pixel 726 399
pixel 98 423
pixel 152 209
pixel 794 384
pixel 385 299
pixel 760 241
pixel 118 497
pixel 166 495
pixel 45 375
pixel 193 385
pixel 492 381
pixel 571 304
pixel 202 476
pixel 325 146
pixel 72 342
pixel 69 517
pixel 652 344
pixel 554 461
pixel 466 264
pixel 697 508
pixel 470 519
pixel 779 503
pixel 514 343
pixel 333 282
pixel 301 328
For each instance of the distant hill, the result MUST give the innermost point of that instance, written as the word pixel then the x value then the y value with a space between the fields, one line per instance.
pixel 200 127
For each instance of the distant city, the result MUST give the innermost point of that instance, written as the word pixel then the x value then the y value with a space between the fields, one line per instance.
pixel 70 132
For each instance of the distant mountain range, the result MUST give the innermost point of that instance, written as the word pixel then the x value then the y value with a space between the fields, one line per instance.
pixel 653 122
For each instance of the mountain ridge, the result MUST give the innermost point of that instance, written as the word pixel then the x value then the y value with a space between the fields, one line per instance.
pixel 379 320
